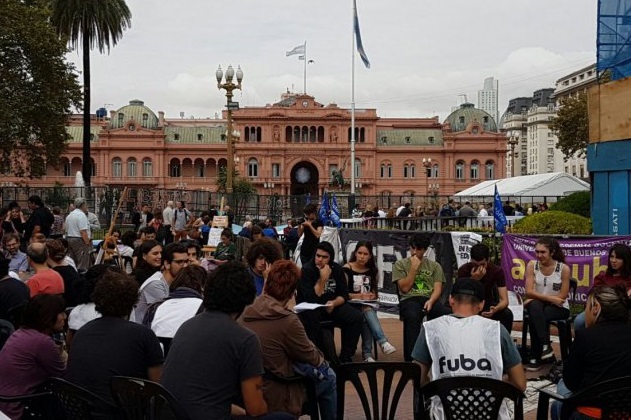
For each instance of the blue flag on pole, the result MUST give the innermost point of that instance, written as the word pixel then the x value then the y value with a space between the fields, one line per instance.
pixel 324 210
pixel 335 213
pixel 358 37
pixel 498 213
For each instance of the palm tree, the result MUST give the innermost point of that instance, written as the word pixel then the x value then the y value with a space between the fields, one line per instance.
pixel 90 23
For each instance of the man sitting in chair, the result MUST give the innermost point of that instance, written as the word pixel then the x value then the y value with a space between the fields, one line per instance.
pixel 466 344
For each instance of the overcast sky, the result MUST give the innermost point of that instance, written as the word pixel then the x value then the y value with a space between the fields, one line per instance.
pixel 423 54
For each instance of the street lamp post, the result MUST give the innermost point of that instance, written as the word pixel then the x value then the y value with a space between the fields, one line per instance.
pixel 427 163
pixel 513 140
pixel 229 86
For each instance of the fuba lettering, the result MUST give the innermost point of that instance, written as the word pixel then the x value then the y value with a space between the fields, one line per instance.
pixel 463 363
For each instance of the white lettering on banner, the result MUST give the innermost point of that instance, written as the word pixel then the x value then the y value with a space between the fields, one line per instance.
pixel 614 221
pixel 462 243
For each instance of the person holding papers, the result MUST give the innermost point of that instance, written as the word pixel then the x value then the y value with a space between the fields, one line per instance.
pixel 323 281
pixel 361 272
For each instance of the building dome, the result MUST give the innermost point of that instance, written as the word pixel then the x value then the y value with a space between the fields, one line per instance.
pixel 136 110
pixel 467 114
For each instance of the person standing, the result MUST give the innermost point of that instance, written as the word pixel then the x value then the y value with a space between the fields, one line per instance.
pixel 78 236
pixel 181 219
pixel 481 268
pixel 41 219
pixel 167 220
pixel 312 228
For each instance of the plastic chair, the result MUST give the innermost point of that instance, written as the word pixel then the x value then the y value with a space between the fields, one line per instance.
pixel 384 404
pixel 34 406
pixel 564 327
pixel 77 403
pixel 613 397
pixel 470 397
pixel 310 406
pixel 140 399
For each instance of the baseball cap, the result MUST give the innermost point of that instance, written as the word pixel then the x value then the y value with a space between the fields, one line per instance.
pixel 468 286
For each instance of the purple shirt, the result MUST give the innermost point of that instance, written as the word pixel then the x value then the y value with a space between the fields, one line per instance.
pixel 28 358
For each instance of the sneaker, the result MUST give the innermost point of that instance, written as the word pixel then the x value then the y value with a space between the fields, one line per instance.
pixel 369 359
pixel 387 348
pixel 533 365
pixel 547 352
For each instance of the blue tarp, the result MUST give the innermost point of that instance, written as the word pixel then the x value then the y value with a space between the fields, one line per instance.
pixel 614 38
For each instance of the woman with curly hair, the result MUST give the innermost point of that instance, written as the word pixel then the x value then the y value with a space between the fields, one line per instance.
pixel 260 256
pixel 112 345
pixel 30 356
pixel 547 290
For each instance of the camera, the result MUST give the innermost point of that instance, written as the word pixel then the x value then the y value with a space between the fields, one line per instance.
pixel 300 221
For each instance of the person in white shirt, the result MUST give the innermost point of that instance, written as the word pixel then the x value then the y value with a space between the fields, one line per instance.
pixel 167 217
pixel 78 235
pixel 483 212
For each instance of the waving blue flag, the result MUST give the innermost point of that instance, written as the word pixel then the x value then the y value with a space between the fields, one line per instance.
pixel 323 214
pixel 335 213
pixel 498 213
pixel 358 37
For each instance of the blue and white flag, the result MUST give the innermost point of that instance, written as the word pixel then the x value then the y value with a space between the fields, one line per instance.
pixel 308 199
pixel 335 213
pixel 498 213
pixel 300 49
pixel 358 37
pixel 323 214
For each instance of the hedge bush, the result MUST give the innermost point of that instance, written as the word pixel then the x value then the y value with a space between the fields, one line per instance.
pixel 554 222
pixel 577 203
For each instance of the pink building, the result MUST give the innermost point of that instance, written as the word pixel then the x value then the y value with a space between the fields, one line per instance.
pixel 290 147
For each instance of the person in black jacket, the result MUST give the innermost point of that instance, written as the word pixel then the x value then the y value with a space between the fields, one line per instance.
pixel 323 281
pixel 41 219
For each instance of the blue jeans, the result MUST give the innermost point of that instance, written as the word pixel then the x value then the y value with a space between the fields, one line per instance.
pixel 371 328
pixel 326 391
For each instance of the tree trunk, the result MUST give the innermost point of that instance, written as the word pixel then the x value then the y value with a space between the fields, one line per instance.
pixel 87 167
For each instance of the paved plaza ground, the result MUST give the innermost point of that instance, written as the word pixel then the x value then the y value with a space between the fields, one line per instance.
pixel 394 331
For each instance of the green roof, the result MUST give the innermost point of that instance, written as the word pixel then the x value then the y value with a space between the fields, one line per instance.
pixel 468 113
pixel 416 137
pixel 137 111
pixel 196 135
pixel 76 133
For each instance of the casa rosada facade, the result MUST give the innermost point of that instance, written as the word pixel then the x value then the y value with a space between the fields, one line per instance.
pixel 292 147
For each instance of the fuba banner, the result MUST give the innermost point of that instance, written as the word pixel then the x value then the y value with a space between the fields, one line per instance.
pixel 586 258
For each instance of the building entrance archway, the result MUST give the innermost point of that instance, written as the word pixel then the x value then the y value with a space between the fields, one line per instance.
pixel 304 179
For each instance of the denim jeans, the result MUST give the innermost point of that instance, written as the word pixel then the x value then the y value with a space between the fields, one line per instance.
pixel 371 329
pixel 326 391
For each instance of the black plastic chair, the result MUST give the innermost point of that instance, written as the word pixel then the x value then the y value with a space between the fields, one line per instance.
pixel 470 397
pixel 384 406
pixel 564 327
pixel 310 406
pixel 77 403
pixel 140 399
pixel 34 406
pixel 613 397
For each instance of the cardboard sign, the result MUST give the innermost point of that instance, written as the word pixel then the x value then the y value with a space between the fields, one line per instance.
pixel 220 221
pixel 214 236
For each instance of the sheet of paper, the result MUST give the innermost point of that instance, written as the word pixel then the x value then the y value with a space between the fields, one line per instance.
pixel 373 303
pixel 305 306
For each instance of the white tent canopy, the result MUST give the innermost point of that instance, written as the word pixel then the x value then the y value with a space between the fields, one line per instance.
pixel 553 184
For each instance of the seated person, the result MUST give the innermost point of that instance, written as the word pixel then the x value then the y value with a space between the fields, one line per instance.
pixel 13 292
pixel 260 256
pixel 269 230
pixel 420 283
pixel 246 231
pixel 150 261
pixel 324 281
pixel 30 356
pixel 481 268
pixel 112 345
pixel 45 280
pixel 447 343
pixel 206 386
pixel 257 233
pixel 602 350
pixel 284 342
pixel 226 250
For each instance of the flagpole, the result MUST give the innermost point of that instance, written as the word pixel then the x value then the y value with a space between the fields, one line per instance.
pixel 353 100
pixel 305 71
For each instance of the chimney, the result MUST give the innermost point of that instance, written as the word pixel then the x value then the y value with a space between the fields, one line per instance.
pixel 160 118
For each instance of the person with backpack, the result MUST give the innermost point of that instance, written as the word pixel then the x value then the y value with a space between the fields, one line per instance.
pixel 181 218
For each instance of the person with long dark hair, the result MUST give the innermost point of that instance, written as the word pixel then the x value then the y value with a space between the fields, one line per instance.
pixel 30 356
pixel 361 272
pixel 618 271
pixel 547 290
pixel 150 261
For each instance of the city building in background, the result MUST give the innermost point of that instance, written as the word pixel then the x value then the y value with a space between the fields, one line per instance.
pixel 488 98
pixel 293 147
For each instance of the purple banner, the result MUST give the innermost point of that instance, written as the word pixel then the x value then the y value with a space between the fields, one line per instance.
pixel 586 258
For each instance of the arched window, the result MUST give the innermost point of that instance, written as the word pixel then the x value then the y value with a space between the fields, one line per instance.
pixel 131 167
pixel 117 167
pixel 67 168
pixel 253 168
pixel 198 168
pixel 435 171
pixel 406 171
pixel 305 134
pixel 475 170
pixel 145 118
pixel 460 170
pixel 313 134
pixel 175 168
pixel 121 118
pixel 490 169
pixel 412 170
pixel 296 134
pixel 92 167
pixel 147 167
pixel 358 168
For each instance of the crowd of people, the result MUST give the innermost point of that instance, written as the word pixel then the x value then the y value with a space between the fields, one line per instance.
pixel 218 330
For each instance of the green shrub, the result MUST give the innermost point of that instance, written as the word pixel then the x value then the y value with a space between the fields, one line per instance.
pixel 554 222
pixel 577 203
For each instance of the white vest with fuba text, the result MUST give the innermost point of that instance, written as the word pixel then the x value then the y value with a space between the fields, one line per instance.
pixel 468 346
